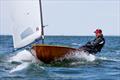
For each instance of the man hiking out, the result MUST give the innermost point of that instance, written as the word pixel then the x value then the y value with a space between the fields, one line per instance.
pixel 95 45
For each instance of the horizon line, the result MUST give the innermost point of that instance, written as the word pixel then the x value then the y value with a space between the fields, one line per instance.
pixel 62 35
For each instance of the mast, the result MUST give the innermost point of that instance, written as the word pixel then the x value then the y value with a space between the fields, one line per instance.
pixel 41 17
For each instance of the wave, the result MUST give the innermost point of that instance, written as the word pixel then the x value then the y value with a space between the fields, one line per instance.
pixel 76 44
pixel 118 52
pixel 81 56
pixel 24 57
pixel 108 59
pixel 19 67
pixel 76 58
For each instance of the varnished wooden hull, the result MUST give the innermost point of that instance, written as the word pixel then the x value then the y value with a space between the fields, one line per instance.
pixel 48 54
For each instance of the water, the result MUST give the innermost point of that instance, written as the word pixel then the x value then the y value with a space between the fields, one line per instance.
pixel 21 65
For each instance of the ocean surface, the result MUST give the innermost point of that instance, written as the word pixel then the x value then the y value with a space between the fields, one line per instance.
pixel 21 65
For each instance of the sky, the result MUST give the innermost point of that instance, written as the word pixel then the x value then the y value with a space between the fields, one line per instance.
pixel 70 17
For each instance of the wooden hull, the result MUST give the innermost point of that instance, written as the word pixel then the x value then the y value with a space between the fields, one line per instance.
pixel 48 53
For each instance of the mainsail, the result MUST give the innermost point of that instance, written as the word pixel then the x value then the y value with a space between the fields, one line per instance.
pixel 26 18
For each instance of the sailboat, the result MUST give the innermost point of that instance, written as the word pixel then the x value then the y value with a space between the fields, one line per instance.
pixel 49 53
pixel 31 31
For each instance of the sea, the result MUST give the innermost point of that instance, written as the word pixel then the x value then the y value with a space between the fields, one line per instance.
pixel 21 65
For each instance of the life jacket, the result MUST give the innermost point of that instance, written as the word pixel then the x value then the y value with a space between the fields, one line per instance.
pixel 98 47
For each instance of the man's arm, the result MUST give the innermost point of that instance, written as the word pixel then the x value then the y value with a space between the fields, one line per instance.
pixel 95 42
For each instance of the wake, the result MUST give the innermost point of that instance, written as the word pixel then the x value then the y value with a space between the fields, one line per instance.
pixel 108 59
pixel 25 58
pixel 22 56
pixel 19 67
pixel 81 55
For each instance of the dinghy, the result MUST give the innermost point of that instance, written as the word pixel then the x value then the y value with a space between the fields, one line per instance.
pixel 29 31
pixel 48 53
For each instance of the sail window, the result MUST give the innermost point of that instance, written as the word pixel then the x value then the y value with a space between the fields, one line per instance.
pixel 26 33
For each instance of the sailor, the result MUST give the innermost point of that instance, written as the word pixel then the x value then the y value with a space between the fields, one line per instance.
pixel 95 45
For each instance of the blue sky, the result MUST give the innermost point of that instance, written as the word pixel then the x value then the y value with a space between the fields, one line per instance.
pixel 72 17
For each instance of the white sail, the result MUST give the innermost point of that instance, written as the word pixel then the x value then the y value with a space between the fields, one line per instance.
pixel 26 18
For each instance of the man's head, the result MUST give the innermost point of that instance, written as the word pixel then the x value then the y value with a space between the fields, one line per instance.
pixel 98 32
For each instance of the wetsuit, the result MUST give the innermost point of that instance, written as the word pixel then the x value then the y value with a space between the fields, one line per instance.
pixel 94 46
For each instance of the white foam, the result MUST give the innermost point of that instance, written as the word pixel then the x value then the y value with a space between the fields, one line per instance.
pixel 19 67
pixel 22 56
pixel 118 52
pixel 81 56
pixel 25 57
pixel 76 44
pixel 108 59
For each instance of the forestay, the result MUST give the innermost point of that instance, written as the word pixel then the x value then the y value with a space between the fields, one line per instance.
pixel 26 18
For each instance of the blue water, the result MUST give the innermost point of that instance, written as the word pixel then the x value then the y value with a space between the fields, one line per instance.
pixel 105 67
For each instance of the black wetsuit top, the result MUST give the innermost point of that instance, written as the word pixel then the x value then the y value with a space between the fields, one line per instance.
pixel 94 46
